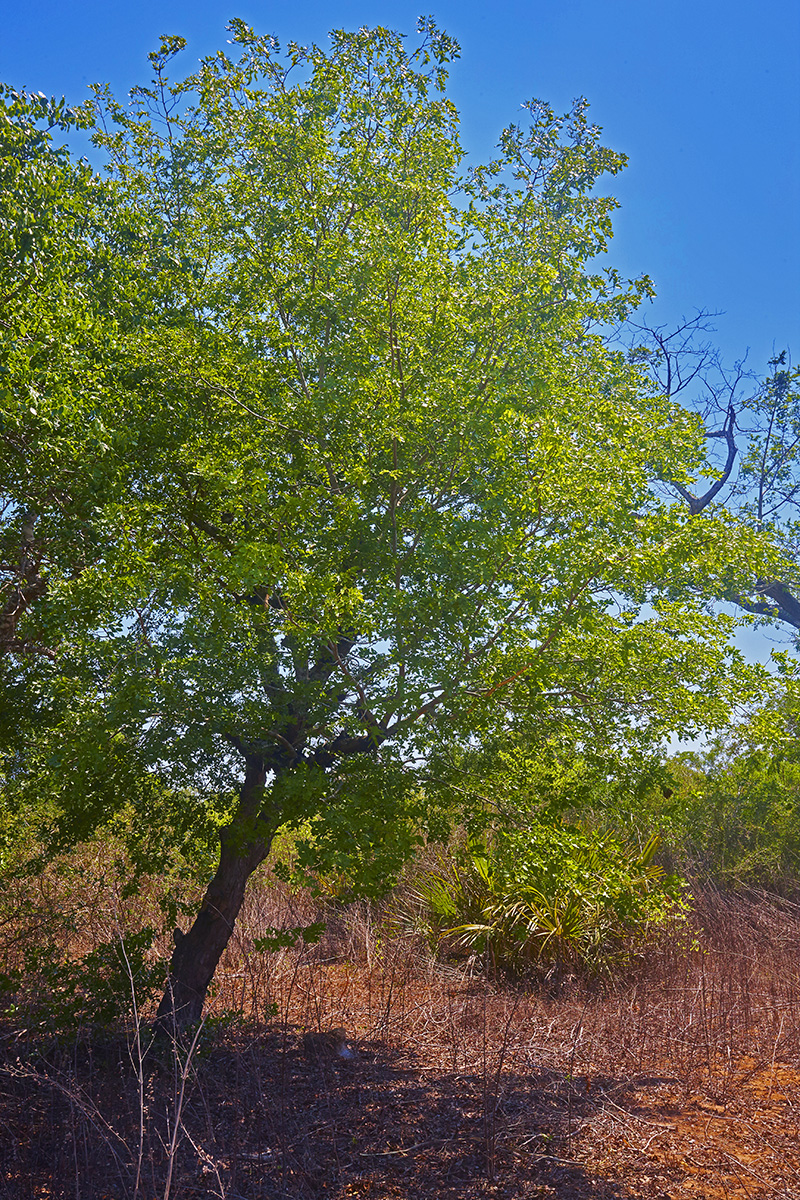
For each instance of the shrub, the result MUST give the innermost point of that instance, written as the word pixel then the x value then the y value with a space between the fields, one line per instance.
pixel 551 897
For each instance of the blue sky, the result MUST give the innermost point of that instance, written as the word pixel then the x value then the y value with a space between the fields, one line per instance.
pixel 703 95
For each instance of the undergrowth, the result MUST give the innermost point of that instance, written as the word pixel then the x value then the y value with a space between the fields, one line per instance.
pixel 466 1082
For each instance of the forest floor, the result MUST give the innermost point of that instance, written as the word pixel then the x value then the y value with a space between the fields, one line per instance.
pixel 682 1081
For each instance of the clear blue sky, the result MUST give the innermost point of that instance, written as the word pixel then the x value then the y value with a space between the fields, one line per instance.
pixel 703 95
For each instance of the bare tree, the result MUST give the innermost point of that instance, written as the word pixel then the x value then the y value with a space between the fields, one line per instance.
pixel 752 432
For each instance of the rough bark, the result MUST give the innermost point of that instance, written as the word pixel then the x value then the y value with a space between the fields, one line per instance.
pixel 244 844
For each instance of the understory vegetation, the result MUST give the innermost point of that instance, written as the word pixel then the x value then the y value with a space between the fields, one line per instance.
pixel 566 1011
pixel 469 1076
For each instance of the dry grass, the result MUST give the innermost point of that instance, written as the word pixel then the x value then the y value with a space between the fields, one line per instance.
pixel 682 1081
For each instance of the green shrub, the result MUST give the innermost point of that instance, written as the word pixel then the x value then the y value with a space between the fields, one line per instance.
pixel 58 995
pixel 737 820
pixel 554 896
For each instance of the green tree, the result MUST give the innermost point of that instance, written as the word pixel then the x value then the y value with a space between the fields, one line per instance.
pixel 732 812
pixel 49 378
pixel 46 204
pixel 381 485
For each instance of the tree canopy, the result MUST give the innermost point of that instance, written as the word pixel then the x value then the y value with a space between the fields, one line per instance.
pixel 345 469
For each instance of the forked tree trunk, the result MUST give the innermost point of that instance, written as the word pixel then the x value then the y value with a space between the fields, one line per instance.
pixel 194 960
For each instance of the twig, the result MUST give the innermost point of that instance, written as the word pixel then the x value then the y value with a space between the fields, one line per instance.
pixel 179 1106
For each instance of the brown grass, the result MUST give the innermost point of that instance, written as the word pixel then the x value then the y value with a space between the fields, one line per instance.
pixel 683 1080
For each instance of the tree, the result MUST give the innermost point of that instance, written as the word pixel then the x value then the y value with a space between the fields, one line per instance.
pixel 380 483
pixel 65 260
pixel 46 203
pixel 51 428
pixel 756 424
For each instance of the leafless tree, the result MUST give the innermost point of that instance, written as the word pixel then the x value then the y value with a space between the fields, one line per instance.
pixel 752 432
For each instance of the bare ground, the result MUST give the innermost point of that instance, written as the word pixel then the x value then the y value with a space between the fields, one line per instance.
pixel 681 1081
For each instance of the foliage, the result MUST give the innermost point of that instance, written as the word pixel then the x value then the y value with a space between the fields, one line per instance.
pixel 51 430
pixel 554 895
pixel 284 939
pixel 60 440
pixel 352 483
pixel 733 811
pixel 57 995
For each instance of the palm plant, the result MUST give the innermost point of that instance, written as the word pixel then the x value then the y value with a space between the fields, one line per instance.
pixel 559 895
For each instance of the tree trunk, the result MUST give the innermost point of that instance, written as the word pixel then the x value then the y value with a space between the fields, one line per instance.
pixel 244 844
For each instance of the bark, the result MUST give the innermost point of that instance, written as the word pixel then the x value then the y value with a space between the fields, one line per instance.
pixel 781 605
pixel 28 587
pixel 244 844
pixel 698 503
